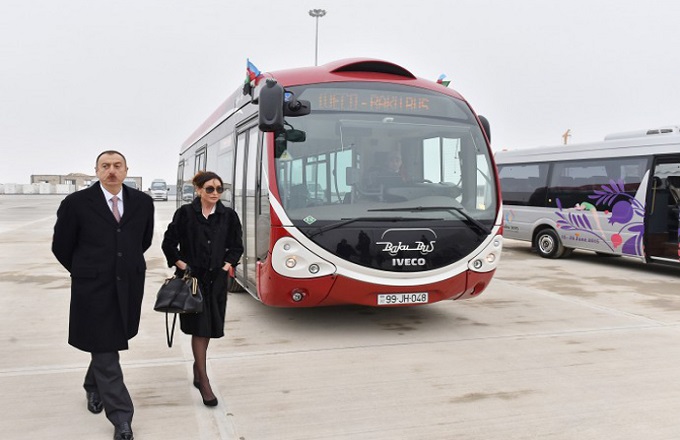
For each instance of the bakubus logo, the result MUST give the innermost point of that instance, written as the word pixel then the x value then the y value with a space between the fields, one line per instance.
pixel 423 246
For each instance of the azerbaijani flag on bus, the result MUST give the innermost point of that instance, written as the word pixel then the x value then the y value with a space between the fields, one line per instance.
pixel 252 72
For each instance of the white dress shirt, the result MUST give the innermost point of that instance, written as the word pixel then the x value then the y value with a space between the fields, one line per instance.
pixel 109 196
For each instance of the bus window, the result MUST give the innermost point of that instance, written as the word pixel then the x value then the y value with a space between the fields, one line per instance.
pixel 225 162
pixel 524 184
pixel 341 161
pixel 485 185
pixel 574 182
pixel 179 182
pixel 441 160
pixel 316 179
pixel 201 159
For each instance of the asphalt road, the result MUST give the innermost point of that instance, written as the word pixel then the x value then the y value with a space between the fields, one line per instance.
pixel 580 348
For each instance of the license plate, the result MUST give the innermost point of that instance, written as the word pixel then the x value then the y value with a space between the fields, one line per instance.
pixel 385 299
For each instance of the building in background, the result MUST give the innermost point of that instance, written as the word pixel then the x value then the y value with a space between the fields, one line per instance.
pixel 78 180
pixel 59 184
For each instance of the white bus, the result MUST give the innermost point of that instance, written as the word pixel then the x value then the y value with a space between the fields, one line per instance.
pixel 615 197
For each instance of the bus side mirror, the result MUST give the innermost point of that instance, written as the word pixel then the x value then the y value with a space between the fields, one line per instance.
pixel 271 107
pixel 294 107
pixel 486 126
pixel 294 135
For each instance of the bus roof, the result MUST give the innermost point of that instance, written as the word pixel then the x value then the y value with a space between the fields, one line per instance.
pixel 355 69
pixel 662 143
pixel 351 69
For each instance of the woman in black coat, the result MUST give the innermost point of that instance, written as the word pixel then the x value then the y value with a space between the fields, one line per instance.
pixel 205 236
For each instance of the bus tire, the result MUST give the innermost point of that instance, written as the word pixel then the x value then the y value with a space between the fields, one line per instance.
pixel 548 244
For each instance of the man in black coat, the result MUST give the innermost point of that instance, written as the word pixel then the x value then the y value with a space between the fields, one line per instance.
pixel 100 237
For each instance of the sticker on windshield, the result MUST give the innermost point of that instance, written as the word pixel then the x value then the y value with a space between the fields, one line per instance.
pixel 309 219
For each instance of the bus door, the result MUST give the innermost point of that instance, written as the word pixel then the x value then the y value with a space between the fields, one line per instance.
pixel 179 184
pixel 245 202
pixel 663 210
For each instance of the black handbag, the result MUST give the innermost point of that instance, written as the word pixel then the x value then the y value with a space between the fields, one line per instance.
pixel 178 295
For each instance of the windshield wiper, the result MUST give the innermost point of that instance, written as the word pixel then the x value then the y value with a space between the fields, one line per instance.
pixel 347 221
pixel 456 209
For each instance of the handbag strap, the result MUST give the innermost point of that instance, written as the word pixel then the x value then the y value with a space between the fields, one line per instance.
pixel 170 334
pixel 192 281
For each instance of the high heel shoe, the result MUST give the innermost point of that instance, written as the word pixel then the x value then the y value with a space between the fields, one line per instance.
pixel 197 384
pixel 211 402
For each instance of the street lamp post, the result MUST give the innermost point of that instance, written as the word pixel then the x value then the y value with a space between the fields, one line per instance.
pixel 317 13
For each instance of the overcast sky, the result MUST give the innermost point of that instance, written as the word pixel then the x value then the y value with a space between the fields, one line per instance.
pixel 81 76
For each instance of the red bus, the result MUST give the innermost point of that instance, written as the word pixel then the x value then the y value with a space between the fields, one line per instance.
pixel 305 155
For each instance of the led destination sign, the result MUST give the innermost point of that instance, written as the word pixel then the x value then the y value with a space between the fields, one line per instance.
pixel 384 101
pixel 373 102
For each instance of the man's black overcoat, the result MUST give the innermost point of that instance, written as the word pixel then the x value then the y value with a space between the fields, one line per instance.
pixel 107 266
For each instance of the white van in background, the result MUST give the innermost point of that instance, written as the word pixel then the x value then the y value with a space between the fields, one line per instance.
pixel 617 197
pixel 159 190
pixel 131 182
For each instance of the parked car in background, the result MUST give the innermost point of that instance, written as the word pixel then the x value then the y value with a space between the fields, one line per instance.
pixel 132 183
pixel 187 192
pixel 159 190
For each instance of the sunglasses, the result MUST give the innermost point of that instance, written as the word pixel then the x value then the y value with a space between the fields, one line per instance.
pixel 211 189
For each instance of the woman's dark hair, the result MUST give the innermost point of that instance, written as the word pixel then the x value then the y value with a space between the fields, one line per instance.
pixel 204 176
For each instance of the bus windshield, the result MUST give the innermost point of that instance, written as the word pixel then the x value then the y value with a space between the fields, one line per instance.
pixel 367 148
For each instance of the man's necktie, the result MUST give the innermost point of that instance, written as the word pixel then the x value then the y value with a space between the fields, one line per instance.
pixel 116 212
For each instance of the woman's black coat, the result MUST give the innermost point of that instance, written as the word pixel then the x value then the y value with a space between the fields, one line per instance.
pixel 200 243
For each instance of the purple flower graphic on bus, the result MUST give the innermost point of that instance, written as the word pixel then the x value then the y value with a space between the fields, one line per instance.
pixel 626 211
pixel 622 212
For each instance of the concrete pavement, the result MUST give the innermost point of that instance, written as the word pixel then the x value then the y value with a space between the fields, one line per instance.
pixel 584 348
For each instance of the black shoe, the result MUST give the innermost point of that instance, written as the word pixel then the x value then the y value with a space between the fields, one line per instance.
pixel 212 402
pixel 123 432
pixel 94 402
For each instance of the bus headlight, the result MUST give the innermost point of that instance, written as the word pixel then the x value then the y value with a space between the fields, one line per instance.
pixel 291 259
pixel 487 260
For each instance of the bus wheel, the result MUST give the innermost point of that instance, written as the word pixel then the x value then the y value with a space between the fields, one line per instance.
pixel 548 244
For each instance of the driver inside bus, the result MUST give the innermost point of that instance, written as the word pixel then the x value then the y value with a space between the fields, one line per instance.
pixel 388 174
pixel 391 173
